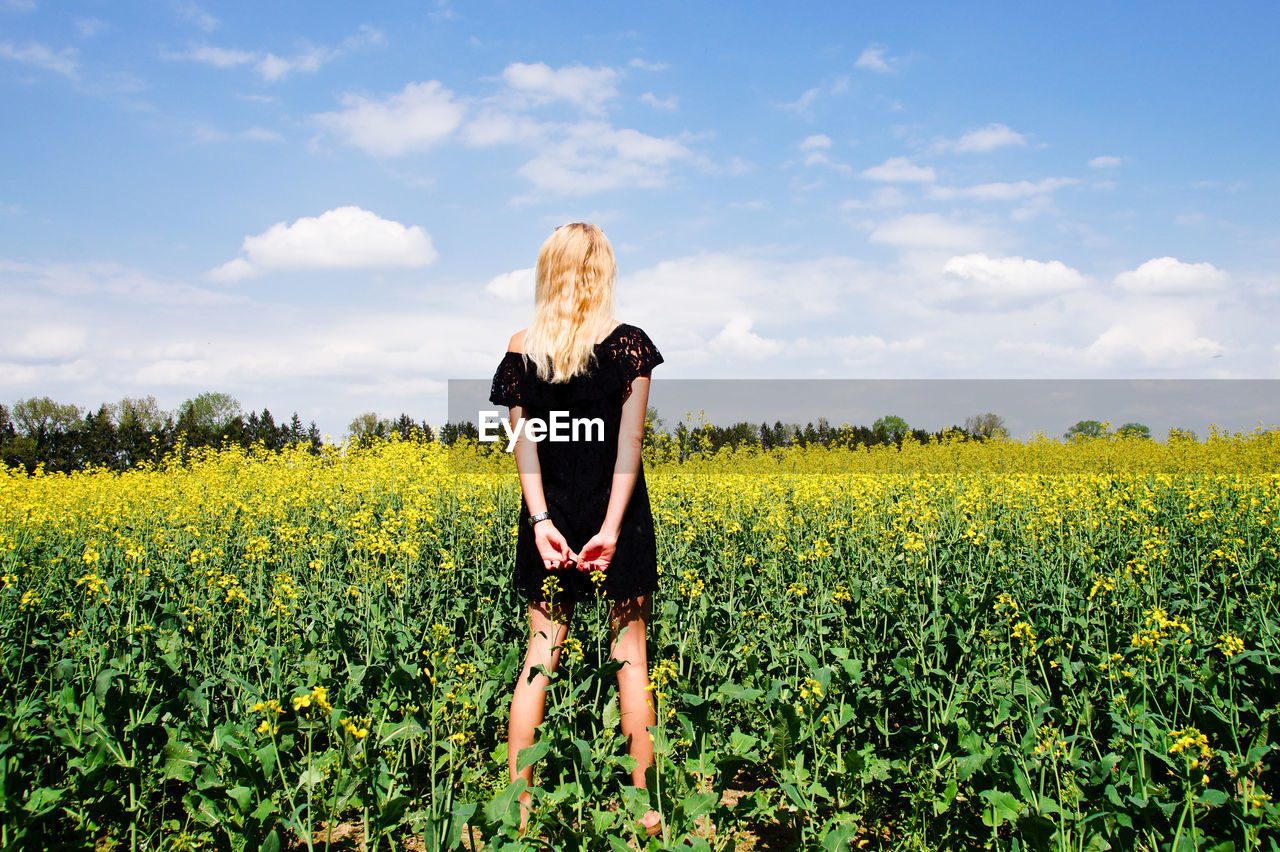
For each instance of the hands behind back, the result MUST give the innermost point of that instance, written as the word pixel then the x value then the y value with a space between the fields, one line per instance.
pixel 598 552
pixel 552 547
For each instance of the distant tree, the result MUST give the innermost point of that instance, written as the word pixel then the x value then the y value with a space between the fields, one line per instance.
pixel 98 441
pixel 38 418
pixel 405 427
pixel 367 427
pixel 296 434
pixel 314 438
pixel 653 424
pixel 890 429
pixel 451 432
pixel 766 437
pixel 986 426
pixel 1086 429
pixel 142 413
pixel 1135 430
pixel 824 432
pixel 738 435
pixel 213 413
pixel 1177 434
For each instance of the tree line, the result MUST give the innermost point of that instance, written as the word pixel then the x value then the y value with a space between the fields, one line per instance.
pixel 62 437
pixel 40 432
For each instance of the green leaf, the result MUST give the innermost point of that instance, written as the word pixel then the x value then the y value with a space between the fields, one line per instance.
pixel 1213 798
pixel 612 715
pixel 179 761
pixel 266 759
pixel 102 683
pixel 407 728
pixel 1005 805
pixel 697 804
pixel 264 809
pixel 500 807
pixel 42 800
pixel 311 776
pixel 839 836
pixel 530 755
pixel 242 796
pixel 270 843
pixel 461 814
pixel 739 693
pixel 940 805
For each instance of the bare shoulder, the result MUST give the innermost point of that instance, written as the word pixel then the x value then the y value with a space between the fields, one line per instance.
pixel 517 341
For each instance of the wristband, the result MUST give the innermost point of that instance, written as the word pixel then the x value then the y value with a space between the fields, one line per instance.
pixel 541 516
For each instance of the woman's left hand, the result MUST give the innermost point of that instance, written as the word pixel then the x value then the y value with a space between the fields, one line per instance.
pixel 597 553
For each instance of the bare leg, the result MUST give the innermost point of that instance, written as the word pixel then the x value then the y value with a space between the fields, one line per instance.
pixel 528 702
pixel 634 700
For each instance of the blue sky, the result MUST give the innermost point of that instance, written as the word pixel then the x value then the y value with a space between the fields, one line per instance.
pixel 334 208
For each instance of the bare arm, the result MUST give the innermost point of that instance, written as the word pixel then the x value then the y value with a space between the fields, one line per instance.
pixel 552 547
pixel 600 549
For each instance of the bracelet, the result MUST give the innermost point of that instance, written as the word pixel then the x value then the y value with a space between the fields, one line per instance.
pixel 541 516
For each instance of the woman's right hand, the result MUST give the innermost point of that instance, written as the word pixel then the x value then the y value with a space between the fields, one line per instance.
pixel 552 546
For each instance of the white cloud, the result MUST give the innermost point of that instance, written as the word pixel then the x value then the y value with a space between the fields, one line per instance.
pixel 648 66
pixel 592 156
pixel 271 66
pixel 494 127
pixel 1105 162
pixel 198 16
pixel 899 170
pixel 514 286
pixel 89 27
pixel 412 120
pixel 218 57
pixel 885 196
pixel 928 230
pixel 1006 281
pixel 41 56
pixel 817 142
pixel 1170 275
pixel 56 342
pixel 95 282
pixel 206 133
pixel 667 104
pixel 737 339
pixel 1002 191
pixel 983 139
pixel 343 238
pixel 538 83
pixel 20 5
pixel 1154 337
pixel 804 102
pixel 873 59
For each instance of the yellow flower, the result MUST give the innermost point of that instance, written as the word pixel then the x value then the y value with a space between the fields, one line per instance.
pixel 1230 644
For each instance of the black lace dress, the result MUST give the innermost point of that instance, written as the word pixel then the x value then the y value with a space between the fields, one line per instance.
pixel 577 475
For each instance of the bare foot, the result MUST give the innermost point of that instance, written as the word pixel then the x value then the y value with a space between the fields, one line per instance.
pixel 651 822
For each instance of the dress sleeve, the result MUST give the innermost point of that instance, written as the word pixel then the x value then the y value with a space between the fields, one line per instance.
pixel 508 381
pixel 637 354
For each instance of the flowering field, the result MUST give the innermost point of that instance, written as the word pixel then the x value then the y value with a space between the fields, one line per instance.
pixel 956 646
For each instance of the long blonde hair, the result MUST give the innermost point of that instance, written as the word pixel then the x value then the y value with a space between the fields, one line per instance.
pixel 573 296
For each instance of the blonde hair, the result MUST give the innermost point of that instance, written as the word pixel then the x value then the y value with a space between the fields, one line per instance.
pixel 573 296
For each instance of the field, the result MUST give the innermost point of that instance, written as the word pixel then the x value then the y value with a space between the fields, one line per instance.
pixel 954 646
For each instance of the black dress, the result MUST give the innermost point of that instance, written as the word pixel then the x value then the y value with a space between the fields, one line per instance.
pixel 577 475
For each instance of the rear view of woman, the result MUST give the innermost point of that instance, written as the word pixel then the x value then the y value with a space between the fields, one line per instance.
pixel 586 509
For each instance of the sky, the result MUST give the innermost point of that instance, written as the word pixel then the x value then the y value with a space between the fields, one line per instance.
pixel 335 208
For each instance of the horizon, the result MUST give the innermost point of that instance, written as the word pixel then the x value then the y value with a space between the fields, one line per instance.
pixel 338 213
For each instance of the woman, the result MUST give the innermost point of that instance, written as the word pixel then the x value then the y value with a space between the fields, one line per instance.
pixel 585 521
